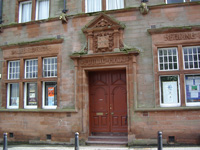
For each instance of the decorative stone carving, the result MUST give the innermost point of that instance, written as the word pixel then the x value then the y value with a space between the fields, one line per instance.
pixel 103 23
pixel 103 34
pixel 103 42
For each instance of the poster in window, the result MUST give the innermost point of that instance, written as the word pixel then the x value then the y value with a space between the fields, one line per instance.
pixel 14 101
pixel 170 95
pixel 31 94
pixel 192 88
pixel 50 96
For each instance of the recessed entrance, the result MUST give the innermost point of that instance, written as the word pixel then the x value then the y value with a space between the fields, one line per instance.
pixel 108 101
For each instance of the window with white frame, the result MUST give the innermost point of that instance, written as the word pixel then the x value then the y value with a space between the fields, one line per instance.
pixel 30 95
pixel 31 86
pixel 13 69
pixel 50 67
pixel 31 68
pixel 191 57
pixel 174 1
pixel 25 9
pixel 192 90
pixel 169 91
pixel 168 59
pixel 42 9
pixel 49 95
pixel 13 95
pixel 98 5
pixel 93 5
pixel 168 73
pixel 114 4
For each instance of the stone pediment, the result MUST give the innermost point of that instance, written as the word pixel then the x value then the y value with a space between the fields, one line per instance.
pixel 104 34
pixel 104 22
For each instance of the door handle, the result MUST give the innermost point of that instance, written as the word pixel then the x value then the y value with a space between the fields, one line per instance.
pixel 112 113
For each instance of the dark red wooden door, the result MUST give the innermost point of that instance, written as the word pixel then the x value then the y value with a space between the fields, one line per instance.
pixel 108 101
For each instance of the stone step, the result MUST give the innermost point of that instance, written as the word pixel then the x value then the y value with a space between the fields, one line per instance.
pixel 108 138
pixel 112 143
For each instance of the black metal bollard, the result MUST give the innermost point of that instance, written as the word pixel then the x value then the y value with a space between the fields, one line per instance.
pixel 160 144
pixel 5 141
pixel 76 141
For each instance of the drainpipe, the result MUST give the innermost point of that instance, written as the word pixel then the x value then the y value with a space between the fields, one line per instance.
pixel 64 10
pixel 1 11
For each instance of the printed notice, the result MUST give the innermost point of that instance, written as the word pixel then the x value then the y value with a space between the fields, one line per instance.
pixel 170 92
pixel 50 96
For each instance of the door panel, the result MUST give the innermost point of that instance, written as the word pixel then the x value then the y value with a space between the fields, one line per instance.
pixel 108 101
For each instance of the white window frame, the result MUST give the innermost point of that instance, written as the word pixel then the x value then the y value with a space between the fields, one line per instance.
pixel 15 69
pixel 198 61
pixel 86 7
pixel 8 98
pixel 50 69
pixel 172 3
pixel 190 103
pixel 168 61
pixel 32 70
pixel 179 95
pixel 114 8
pixel 20 9
pixel 36 11
pixel 25 97
pixel 43 97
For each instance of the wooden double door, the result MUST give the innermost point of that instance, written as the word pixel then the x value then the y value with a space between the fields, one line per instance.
pixel 108 101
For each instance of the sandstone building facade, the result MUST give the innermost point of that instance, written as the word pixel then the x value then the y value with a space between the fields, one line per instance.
pixel 108 67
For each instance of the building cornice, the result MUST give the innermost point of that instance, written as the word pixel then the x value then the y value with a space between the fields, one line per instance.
pixel 32 43
pixel 127 9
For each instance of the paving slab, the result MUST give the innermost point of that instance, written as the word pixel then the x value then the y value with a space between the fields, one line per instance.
pixel 48 147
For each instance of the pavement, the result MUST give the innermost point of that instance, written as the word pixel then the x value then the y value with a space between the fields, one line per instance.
pixel 53 147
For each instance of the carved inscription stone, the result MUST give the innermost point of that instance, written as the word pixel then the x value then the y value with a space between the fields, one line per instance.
pixel 30 51
pixel 104 61
pixel 181 36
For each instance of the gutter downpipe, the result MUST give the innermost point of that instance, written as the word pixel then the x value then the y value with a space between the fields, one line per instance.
pixel 1 11
pixel 64 10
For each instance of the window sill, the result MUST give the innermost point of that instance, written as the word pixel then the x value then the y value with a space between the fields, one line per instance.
pixel 39 110
pixel 168 108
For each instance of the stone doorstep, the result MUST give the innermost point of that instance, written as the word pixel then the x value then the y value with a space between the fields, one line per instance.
pixel 108 140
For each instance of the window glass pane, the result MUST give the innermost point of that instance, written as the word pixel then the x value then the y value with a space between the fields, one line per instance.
pixel 169 90
pixel 50 94
pixel 42 9
pixel 25 8
pixel 114 4
pixel 31 68
pixel 192 88
pixel 168 56
pixel 14 94
pixel 93 5
pixel 13 69
pixel 174 1
pixel 50 67
pixel 31 93
pixel 192 57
